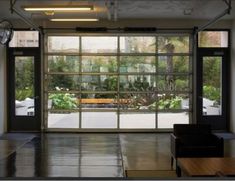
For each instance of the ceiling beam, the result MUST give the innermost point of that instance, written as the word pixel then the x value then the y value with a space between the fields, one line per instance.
pixel 26 20
pixel 217 18
pixel 12 3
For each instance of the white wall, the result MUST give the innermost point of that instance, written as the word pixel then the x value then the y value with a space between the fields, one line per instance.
pixel 232 123
pixel 2 88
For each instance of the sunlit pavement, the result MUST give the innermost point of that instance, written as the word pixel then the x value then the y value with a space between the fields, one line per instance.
pixel 109 120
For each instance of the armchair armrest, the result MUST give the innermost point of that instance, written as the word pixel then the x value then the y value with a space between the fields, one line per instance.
pixel 174 143
pixel 221 146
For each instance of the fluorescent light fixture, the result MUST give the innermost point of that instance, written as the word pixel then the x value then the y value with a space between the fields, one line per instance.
pixel 74 19
pixel 59 8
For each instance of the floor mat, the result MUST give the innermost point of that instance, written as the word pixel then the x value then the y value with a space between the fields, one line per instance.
pixel 226 136
pixel 151 174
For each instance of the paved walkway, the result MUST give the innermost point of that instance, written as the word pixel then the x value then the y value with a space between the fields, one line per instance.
pixel 109 120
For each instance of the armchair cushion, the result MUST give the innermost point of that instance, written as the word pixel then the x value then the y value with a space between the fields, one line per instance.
pixel 191 140
pixel 191 129
pixel 199 140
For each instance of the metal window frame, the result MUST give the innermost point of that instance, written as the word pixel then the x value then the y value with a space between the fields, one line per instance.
pixel 118 74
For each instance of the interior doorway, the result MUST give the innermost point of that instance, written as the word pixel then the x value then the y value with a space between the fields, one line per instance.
pixel 24 110
pixel 213 79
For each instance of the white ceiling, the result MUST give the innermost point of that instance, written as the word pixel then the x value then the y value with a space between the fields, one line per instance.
pixel 128 9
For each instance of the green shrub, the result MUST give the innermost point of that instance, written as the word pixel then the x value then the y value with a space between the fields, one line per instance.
pixel 63 101
pixel 211 93
pixel 22 94
pixel 167 103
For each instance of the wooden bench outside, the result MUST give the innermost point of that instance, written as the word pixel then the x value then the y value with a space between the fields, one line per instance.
pixel 103 101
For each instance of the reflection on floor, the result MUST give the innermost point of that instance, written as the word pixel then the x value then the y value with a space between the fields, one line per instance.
pixel 87 155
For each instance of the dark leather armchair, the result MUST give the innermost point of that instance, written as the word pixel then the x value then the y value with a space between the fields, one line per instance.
pixel 195 140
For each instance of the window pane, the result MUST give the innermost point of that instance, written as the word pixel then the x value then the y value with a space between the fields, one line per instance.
pixel 63 82
pixel 137 64
pixel 59 115
pixel 60 101
pixel 69 44
pixel 25 39
pixel 99 100
pixel 173 44
pixel 63 64
pixel 172 83
pixel 24 86
pixel 63 119
pixel 96 44
pixel 99 120
pixel 137 44
pixel 99 64
pixel 137 83
pixel 173 64
pixel 168 119
pixel 99 83
pixel 140 101
pixel 172 101
pixel 212 75
pixel 137 120
pixel 213 39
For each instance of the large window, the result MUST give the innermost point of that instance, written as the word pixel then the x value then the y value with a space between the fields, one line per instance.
pixel 118 82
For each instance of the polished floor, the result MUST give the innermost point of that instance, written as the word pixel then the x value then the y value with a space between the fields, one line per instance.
pixel 86 155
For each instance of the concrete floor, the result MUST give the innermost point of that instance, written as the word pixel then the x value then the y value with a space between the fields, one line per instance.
pixel 86 155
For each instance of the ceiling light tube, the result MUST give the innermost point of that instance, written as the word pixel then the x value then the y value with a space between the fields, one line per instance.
pixel 74 19
pixel 61 9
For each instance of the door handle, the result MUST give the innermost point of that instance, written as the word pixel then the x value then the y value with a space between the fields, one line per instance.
pixel 36 97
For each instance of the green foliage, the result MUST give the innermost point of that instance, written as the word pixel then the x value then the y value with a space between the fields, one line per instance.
pixel 211 93
pixel 24 73
pixel 138 100
pixel 181 83
pixel 181 63
pixel 22 94
pixel 63 81
pixel 167 103
pixel 140 84
pixel 62 64
pixel 63 101
pixel 211 71
pixel 109 84
pixel 172 103
pixel 173 44
pixel 99 64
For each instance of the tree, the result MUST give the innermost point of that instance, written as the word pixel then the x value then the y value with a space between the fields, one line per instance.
pixel 24 78
pixel 171 45
pixel 209 38
pixel 211 71
pixel 61 64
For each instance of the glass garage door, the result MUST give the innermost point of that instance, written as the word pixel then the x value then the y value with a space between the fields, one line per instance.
pixel 113 82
